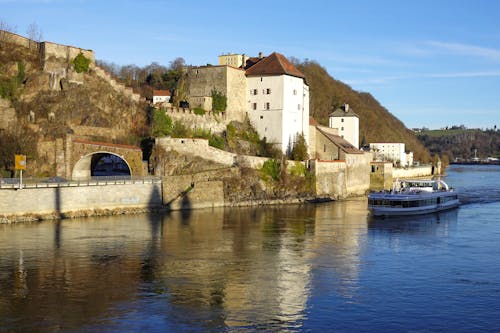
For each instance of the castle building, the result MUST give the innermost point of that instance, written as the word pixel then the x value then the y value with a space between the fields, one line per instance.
pixel 347 123
pixel 278 100
pixel 233 60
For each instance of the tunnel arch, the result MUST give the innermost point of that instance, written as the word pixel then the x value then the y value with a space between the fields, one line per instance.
pixel 101 163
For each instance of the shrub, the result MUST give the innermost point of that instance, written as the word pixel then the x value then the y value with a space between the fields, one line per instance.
pixel 81 63
pixel 161 124
pixel 199 111
pixel 219 101
pixel 271 169
pixel 298 169
pixel 299 149
pixel 217 141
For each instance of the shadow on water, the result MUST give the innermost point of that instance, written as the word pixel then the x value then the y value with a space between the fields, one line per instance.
pixel 426 223
pixel 58 204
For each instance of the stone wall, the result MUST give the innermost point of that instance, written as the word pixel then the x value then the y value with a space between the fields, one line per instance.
pixel 414 172
pixel 51 53
pixel 193 191
pixel 330 178
pixel 128 92
pixel 358 173
pixel 8 116
pixel 9 37
pixel 231 82
pixel 197 147
pixel 215 123
pixel 340 179
pixel 380 176
pixel 63 200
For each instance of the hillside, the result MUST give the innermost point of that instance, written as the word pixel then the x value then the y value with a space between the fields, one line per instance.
pixel 376 123
pixel 462 143
pixel 43 97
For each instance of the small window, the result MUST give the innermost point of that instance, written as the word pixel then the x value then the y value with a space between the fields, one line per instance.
pixel 268 91
pixel 267 106
pixel 295 91
pixel 342 128
pixel 260 79
pixel 261 117
pixel 255 92
pixel 298 106
pixel 254 106
pixel 324 148
pixel 341 120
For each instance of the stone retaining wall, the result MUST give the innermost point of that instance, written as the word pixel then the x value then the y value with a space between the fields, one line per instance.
pixel 65 200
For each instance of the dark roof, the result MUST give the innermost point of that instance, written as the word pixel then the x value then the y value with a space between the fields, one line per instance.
pixel 274 64
pixel 340 142
pixel 343 111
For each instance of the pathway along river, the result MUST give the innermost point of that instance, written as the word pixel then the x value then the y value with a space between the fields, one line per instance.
pixel 324 267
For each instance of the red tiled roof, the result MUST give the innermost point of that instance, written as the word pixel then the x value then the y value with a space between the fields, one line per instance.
pixel 274 64
pixel 161 92
pixel 313 122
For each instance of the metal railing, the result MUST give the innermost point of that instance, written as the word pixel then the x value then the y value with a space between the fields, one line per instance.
pixel 13 183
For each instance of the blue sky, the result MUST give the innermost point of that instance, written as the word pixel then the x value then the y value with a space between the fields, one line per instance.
pixel 430 63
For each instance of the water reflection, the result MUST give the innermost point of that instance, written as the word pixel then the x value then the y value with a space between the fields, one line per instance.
pixel 208 270
pixel 427 223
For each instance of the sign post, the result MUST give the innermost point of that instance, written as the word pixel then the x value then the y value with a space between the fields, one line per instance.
pixel 20 165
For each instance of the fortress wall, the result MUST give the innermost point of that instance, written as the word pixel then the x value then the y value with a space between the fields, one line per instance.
pixel 82 198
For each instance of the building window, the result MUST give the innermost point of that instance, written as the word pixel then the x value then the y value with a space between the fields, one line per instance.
pixel 267 106
pixel 254 92
pixel 341 120
pixel 268 91
pixel 342 128
pixel 254 106
pixel 261 117
pixel 298 106
pixel 324 148
pixel 295 91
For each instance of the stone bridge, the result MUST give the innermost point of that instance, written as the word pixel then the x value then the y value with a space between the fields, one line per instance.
pixel 79 159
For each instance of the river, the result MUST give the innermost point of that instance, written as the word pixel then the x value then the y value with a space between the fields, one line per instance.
pixel 325 267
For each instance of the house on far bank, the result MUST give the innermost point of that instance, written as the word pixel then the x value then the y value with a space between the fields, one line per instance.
pixel 161 96
pixel 394 152
pixel 347 123
pixel 278 100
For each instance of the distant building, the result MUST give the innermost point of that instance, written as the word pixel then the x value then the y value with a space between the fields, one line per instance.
pixel 161 96
pixel 233 60
pixel 347 123
pixel 278 100
pixel 394 152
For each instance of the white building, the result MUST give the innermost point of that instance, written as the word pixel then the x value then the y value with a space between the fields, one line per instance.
pixel 347 123
pixel 161 96
pixel 394 152
pixel 278 100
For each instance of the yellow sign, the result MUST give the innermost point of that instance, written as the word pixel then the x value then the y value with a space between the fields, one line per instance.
pixel 20 162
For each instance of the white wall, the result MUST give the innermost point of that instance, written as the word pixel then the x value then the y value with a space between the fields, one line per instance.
pixel 348 128
pixel 284 119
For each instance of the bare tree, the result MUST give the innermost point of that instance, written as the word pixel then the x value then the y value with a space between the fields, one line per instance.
pixel 5 27
pixel 35 35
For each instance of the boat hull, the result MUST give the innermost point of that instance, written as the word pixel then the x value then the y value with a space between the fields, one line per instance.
pixel 389 204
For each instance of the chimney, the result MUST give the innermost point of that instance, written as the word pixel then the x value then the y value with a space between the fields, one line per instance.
pixel 260 55
pixel 346 107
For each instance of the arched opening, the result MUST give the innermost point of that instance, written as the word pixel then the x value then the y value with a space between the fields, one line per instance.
pixel 101 164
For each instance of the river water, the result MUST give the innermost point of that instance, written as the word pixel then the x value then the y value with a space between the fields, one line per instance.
pixel 326 267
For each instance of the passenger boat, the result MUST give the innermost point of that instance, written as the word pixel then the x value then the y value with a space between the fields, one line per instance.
pixel 412 197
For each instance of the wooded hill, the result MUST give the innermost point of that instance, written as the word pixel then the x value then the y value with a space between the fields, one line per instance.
pixel 376 123
pixel 459 142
